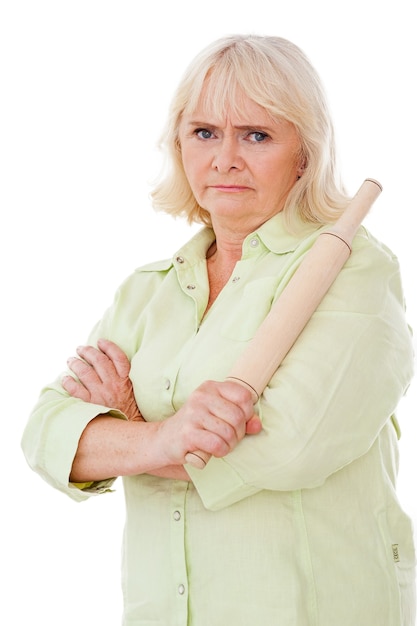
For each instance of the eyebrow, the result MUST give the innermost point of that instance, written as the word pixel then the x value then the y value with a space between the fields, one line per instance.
pixel 260 127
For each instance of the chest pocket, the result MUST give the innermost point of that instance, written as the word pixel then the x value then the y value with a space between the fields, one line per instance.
pixel 254 304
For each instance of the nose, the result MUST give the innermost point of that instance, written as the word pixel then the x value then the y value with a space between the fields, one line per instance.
pixel 227 155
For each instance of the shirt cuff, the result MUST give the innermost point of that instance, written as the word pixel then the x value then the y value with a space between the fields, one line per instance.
pixel 219 485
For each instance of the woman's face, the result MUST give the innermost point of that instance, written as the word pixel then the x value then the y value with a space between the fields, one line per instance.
pixel 241 167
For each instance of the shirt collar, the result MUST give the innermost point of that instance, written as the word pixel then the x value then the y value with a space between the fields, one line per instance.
pixel 276 237
pixel 195 249
pixel 273 234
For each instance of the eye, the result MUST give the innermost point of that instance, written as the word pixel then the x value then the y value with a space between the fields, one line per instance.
pixel 203 133
pixel 257 136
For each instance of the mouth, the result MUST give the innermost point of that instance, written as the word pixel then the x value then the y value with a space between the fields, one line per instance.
pixel 230 188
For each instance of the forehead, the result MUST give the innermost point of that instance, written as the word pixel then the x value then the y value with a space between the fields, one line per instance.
pixel 220 107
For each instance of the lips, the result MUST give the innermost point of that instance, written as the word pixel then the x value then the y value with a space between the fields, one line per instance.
pixel 230 188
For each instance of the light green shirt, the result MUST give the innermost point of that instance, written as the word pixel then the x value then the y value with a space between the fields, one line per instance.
pixel 299 525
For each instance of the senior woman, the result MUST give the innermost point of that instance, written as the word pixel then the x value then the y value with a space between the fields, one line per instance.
pixel 295 519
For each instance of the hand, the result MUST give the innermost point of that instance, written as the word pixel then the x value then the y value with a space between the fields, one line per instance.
pixel 216 416
pixel 103 378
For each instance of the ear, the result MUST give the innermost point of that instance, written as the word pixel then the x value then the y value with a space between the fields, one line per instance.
pixel 301 167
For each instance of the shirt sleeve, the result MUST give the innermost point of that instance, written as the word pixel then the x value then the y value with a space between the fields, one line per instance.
pixel 54 428
pixel 51 437
pixel 333 393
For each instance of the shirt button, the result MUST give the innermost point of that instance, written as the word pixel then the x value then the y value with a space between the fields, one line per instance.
pixel 179 259
pixel 181 590
pixel 167 384
pixel 254 243
pixel 177 516
pixel 190 287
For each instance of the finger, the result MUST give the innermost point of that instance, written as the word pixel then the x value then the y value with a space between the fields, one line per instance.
pixel 210 444
pixel 116 355
pixel 200 457
pixel 191 436
pixel 84 371
pixel 210 398
pixel 253 425
pixel 222 429
pixel 236 393
pixel 75 389
pixel 98 362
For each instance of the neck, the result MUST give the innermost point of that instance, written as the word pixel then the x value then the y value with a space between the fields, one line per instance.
pixel 221 260
pixel 222 257
pixel 227 248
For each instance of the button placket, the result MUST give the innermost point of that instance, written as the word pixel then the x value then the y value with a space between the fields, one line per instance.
pixel 191 278
pixel 178 554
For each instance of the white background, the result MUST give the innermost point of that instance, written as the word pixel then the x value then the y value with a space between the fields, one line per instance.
pixel 85 86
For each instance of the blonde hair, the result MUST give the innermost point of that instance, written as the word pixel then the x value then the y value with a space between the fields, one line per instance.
pixel 275 74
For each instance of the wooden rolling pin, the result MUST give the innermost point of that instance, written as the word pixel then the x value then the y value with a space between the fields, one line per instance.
pixel 298 301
